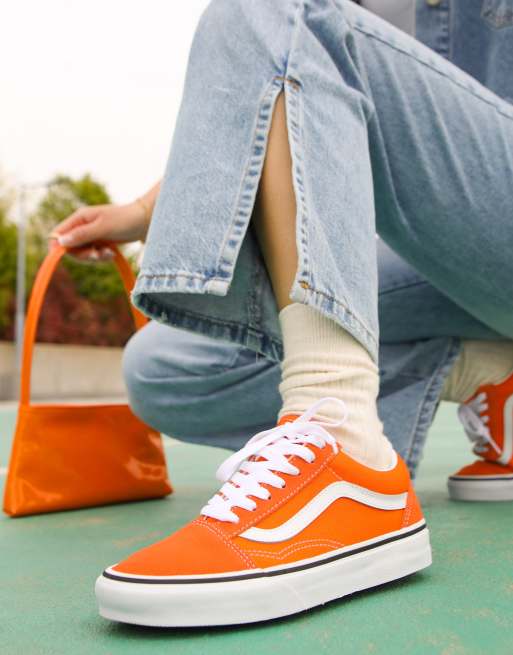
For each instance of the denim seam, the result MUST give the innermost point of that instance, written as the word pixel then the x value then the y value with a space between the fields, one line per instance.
pixel 304 280
pixel 294 120
pixel 254 296
pixel 249 183
pixel 429 65
pixel 195 315
pixel 444 40
pixel 451 31
pixel 304 276
pixel 154 308
pixel 406 376
pixel 217 372
pixel 401 286
pixel 229 330
pixel 429 404
pixel 173 275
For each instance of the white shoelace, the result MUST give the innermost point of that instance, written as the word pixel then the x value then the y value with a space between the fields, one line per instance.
pixel 474 420
pixel 265 455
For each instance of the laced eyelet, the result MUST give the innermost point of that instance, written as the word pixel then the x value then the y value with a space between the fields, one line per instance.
pixel 266 455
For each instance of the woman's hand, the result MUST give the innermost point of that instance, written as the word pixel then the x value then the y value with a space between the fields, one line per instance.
pixel 87 225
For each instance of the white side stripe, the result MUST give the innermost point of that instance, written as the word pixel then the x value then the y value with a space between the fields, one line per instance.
pixel 507 448
pixel 318 504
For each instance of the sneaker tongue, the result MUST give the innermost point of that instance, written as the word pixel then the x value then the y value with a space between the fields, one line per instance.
pixel 288 418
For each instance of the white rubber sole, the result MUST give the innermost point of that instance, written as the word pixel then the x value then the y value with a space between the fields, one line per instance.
pixel 265 595
pixel 481 489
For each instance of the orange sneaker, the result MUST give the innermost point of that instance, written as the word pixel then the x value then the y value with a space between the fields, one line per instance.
pixel 296 524
pixel 488 421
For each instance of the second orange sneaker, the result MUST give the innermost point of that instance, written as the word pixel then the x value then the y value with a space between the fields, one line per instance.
pixel 296 524
pixel 488 421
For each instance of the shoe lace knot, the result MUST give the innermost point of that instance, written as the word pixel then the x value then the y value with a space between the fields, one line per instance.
pixel 475 420
pixel 266 455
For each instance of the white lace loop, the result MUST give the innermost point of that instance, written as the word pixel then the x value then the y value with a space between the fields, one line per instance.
pixel 244 474
pixel 473 418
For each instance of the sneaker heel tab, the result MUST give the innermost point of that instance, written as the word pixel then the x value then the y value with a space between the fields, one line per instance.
pixel 413 511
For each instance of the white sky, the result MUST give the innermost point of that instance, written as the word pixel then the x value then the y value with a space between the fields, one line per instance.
pixel 92 86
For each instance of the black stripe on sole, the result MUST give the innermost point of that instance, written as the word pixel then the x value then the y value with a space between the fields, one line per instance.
pixel 266 574
pixel 501 478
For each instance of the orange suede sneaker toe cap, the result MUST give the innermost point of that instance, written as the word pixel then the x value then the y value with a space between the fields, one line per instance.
pixel 196 549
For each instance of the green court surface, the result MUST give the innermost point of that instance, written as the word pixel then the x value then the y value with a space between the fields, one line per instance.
pixel 463 604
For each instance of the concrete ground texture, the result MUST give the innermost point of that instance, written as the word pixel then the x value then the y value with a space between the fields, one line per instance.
pixel 463 604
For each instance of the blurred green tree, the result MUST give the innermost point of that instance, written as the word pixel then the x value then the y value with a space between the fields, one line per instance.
pixel 86 303
pixel 7 266
pixel 65 195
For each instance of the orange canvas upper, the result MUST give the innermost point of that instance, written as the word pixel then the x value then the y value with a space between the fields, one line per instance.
pixel 483 468
pixel 497 397
pixel 208 545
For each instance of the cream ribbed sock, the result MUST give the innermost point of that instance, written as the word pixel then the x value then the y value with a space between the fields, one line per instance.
pixel 479 362
pixel 322 359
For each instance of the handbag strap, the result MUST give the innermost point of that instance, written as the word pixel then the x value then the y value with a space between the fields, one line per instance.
pixel 37 296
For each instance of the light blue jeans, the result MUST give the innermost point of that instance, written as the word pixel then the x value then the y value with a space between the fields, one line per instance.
pixel 386 136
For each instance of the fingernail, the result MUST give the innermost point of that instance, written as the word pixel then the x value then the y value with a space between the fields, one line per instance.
pixel 64 239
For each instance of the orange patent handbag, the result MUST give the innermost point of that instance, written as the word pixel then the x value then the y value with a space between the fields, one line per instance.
pixel 68 456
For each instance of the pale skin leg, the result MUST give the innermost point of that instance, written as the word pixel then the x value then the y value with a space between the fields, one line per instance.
pixel 274 217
